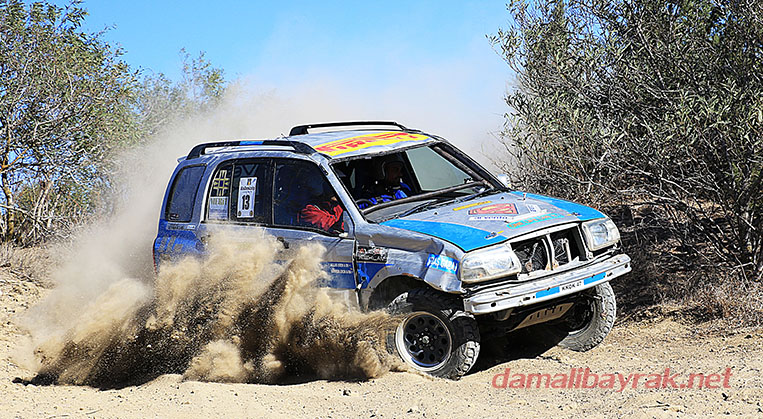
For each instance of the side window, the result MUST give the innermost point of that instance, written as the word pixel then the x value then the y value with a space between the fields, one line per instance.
pixel 183 194
pixel 304 197
pixel 239 191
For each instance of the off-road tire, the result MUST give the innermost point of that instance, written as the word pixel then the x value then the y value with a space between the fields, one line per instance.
pixel 592 333
pixel 461 326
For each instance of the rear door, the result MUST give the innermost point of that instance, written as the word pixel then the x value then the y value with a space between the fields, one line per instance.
pixel 238 196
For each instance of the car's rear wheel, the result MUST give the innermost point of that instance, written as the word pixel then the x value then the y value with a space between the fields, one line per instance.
pixel 435 334
pixel 589 321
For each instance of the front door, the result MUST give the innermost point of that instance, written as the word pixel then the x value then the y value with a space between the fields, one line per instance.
pixel 291 200
pixel 306 210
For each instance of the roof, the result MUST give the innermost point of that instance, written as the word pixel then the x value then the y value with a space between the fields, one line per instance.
pixel 334 145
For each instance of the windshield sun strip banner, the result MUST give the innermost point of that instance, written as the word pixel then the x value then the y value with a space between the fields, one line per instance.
pixel 337 147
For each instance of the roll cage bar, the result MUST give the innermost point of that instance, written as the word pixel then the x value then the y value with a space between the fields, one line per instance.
pixel 298 147
pixel 303 129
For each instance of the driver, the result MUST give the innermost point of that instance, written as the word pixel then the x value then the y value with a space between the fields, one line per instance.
pixel 324 211
pixel 389 184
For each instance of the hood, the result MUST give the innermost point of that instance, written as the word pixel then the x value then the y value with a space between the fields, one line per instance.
pixel 493 219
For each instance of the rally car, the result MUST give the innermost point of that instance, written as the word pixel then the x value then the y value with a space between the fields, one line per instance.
pixel 412 225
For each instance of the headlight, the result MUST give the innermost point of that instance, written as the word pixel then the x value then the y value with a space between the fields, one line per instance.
pixel 600 233
pixel 488 264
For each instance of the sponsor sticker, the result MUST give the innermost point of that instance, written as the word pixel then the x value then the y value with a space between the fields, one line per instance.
pixel 534 208
pixel 220 183
pixel 339 268
pixel 335 148
pixel 476 204
pixel 246 189
pixel 340 275
pixel 493 217
pixel 505 209
pixel 372 254
pixel 218 208
pixel 442 263
pixel 528 221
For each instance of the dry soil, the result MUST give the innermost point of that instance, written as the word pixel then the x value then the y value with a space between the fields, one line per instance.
pixel 644 347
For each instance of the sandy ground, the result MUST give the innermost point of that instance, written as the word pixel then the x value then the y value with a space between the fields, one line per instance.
pixel 642 347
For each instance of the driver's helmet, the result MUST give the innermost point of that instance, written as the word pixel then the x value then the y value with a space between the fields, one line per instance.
pixel 314 187
pixel 380 164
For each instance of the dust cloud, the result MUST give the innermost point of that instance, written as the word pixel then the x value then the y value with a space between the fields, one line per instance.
pixel 236 315
pixel 239 314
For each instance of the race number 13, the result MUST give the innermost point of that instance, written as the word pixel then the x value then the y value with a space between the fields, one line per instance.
pixel 246 188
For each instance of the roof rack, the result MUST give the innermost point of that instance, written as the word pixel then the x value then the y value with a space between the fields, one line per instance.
pixel 302 129
pixel 296 145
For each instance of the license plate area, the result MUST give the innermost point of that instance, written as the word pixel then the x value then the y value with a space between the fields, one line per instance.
pixel 571 285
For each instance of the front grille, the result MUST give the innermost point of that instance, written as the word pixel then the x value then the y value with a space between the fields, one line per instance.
pixel 566 246
pixel 561 250
pixel 532 254
pixel 549 251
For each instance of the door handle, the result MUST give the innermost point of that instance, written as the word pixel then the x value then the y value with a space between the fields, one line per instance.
pixel 283 242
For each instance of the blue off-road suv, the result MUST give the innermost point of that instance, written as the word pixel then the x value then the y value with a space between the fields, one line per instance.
pixel 448 246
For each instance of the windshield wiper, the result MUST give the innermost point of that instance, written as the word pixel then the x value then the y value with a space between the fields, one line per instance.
pixel 421 197
pixel 430 205
pixel 417 208
pixel 479 194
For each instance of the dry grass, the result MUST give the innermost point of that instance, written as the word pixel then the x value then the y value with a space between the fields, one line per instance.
pixel 27 263
pixel 670 280
pixel 739 305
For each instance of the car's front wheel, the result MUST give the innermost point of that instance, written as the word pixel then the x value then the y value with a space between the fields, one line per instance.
pixel 589 321
pixel 435 335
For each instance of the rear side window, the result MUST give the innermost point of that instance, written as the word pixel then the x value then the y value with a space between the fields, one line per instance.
pixel 240 191
pixel 183 194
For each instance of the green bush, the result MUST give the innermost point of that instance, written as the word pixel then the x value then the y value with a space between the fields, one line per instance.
pixel 68 105
pixel 653 110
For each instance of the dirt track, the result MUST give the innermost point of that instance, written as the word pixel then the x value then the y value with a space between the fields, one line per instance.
pixel 636 347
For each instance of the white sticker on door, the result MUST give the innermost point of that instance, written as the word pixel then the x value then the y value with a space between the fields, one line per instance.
pixel 218 208
pixel 246 188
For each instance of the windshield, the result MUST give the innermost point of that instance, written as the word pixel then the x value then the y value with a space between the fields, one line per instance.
pixel 395 184
pixel 433 171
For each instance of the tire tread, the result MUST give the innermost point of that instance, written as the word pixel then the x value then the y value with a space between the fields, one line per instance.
pixel 450 307
pixel 589 339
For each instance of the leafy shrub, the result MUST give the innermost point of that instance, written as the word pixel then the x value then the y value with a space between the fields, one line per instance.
pixel 654 111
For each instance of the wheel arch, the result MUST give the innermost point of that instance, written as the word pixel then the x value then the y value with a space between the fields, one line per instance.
pixel 389 288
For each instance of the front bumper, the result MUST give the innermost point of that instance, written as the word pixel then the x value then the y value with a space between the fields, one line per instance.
pixel 544 289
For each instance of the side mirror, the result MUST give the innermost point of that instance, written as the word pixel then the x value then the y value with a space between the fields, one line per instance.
pixel 504 178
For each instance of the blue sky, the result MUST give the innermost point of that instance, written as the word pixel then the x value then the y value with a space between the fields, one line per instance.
pixel 247 36
pixel 424 62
